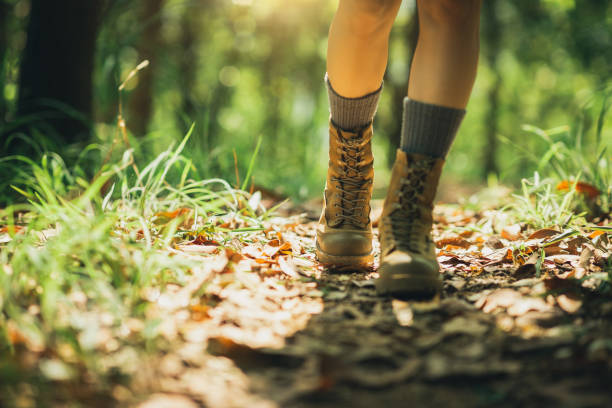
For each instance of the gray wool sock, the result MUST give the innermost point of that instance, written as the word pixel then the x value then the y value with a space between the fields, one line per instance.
pixel 429 129
pixel 352 113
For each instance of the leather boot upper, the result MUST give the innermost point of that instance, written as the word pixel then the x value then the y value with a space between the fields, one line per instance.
pixel 407 212
pixel 408 257
pixel 345 228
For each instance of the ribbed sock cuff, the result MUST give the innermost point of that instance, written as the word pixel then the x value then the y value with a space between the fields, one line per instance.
pixel 352 113
pixel 429 129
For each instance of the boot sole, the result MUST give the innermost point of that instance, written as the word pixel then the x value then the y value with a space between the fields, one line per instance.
pixel 344 260
pixel 409 287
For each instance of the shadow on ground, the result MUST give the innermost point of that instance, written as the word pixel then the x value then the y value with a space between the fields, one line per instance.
pixel 364 350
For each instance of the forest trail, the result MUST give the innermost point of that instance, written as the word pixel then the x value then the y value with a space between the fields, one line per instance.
pixel 522 321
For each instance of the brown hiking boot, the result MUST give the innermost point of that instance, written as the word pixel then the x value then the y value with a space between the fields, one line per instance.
pixel 408 265
pixel 344 233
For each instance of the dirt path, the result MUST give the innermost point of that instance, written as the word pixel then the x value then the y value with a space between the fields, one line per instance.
pixel 509 330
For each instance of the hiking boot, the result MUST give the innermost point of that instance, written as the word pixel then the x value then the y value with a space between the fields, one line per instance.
pixel 344 232
pixel 408 265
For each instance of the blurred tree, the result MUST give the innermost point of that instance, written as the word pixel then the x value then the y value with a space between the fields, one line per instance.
pixel 55 84
pixel 149 43
pixel 5 8
pixel 491 37
pixel 187 67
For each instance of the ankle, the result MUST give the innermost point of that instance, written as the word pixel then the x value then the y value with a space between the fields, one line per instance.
pixel 352 114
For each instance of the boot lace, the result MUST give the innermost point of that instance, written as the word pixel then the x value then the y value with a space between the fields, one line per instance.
pixel 406 222
pixel 352 183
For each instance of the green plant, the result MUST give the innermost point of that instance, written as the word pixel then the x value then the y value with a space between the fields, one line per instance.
pixel 541 205
pixel 578 155
pixel 81 258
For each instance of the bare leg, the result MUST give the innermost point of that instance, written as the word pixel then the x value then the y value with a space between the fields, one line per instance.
pixel 358 45
pixel 446 57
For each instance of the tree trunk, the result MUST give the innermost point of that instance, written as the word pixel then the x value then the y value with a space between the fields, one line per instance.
pixel 55 84
pixel 4 11
pixel 492 38
pixel 141 98
pixel 188 65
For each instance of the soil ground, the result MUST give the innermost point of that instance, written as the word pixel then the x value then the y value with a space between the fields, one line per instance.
pixel 501 333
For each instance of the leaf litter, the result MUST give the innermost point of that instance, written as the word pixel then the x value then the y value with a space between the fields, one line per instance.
pixel 259 323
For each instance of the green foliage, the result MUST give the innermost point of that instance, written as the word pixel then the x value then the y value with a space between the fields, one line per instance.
pixel 542 206
pixel 250 70
pixel 80 258
pixel 576 169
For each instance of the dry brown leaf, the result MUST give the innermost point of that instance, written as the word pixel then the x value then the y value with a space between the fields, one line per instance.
pixel 274 242
pixel 511 232
pixel 587 189
pixel 273 250
pixel 494 242
pixel 450 260
pixel 569 303
pixel 204 239
pixel 574 245
pixel 527 270
pixel 198 249
pixel 595 234
pixel 173 214
pixel 181 298
pixel 288 267
pixel 583 262
pixel 543 233
pixel 199 312
pixel 527 304
pixel 557 284
pixel 553 250
pixel 513 301
pixel 252 251
pixel 233 256
pixel 14 334
pixel 499 298
pixel 455 241
pixel 11 229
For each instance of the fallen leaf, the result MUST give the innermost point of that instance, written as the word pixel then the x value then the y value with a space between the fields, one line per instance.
pixel 494 242
pixel 288 267
pixel 199 312
pixel 553 250
pixel 168 401
pixel 569 303
pixel 499 298
pixel 574 245
pixel 587 189
pixel 583 262
pixel 168 215
pixel 526 304
pixel 529 268
pixel 543 233
pixel 252 251
pixel 198 249
pixel 557 284
pixel 511 232
pixel 595 234
pixel 456 241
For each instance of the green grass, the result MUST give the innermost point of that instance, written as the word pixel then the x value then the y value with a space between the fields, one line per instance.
pixel 78 259
pixel 576 162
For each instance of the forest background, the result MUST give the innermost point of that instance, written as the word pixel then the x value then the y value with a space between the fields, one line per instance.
pixel 245 71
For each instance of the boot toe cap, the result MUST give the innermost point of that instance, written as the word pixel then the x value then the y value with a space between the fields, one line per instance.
pixel 403 273
pixel 345 243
